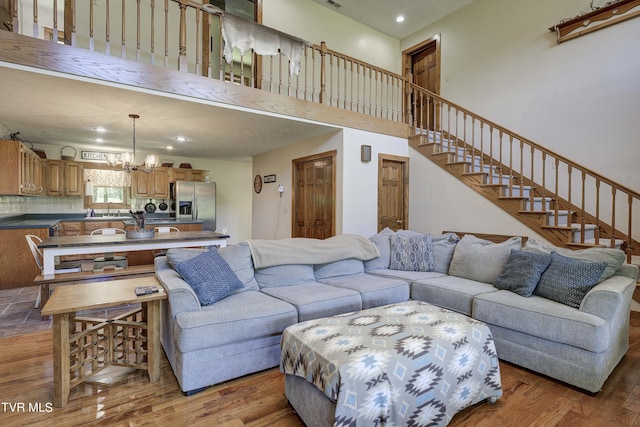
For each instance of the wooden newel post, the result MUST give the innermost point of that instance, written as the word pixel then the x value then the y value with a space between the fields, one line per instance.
pixel 323 72
pixel 182 56
pixel 408 116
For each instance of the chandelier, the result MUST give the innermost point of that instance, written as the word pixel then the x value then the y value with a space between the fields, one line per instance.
pixel 126 160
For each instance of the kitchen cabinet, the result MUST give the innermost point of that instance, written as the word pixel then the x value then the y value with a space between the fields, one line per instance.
pixel 18 266
pixel 21 170
pixel 64 178
pixel 187 175
pixel 154 184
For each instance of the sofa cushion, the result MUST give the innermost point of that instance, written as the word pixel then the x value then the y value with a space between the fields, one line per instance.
pixel 411 253
pixel 284 275
pixel 178 255
pixel 543 318
pixel 313 300
pixel 407 276
pixel 383 243
pixel 346 267
pixel 237 256
pixel 522 272
pixel 481 260
pixel 374 290
pixel 444 246
pixel 613 257
pixel 210 276
pixel 235 319
pixel 454 293
pixel 568 280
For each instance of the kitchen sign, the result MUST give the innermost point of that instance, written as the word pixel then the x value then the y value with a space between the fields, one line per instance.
pixel 93 155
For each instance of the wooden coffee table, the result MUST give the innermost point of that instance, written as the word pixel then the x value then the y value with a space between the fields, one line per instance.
pixel 84 346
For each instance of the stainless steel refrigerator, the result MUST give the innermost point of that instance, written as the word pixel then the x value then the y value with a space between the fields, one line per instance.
pixel 196 201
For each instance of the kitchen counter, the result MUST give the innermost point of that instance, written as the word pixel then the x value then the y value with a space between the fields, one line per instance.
pixel 51 220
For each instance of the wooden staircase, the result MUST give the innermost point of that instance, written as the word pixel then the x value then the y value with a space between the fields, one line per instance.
pixel 557 198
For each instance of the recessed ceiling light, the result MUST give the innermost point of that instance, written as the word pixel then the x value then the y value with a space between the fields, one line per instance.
pixel 99 140
pixel 400 18
pixel 181 138
pixel 169 147
pixel 100 129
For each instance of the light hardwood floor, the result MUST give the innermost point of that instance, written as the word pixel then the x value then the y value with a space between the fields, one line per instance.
pixel 122 397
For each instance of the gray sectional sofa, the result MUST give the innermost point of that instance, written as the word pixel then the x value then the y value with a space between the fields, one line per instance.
pixel 284 282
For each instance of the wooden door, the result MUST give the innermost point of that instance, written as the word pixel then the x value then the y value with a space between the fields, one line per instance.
pixel 423 62
pixel 314 196
pixel 393 192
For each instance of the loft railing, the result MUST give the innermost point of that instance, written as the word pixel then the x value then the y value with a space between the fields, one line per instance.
pixel 180 35
pixel 549 180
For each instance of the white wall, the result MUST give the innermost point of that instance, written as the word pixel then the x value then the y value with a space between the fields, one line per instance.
pixel 580 98
pixel 360 182
pixel 356 182
pixel 316 23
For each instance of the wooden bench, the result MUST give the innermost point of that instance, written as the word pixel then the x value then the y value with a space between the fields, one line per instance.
pixel 91 276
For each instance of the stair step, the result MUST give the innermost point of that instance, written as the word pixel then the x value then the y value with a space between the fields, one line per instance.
pixel 515 191
pixel 591 243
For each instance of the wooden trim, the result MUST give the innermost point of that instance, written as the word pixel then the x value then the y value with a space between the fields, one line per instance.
pixel 607 15
pixel 405 178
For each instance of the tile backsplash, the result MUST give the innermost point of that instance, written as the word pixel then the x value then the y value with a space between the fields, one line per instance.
pixel 29 205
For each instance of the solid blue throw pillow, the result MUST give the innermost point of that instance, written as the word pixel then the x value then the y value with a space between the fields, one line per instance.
pixel 210 276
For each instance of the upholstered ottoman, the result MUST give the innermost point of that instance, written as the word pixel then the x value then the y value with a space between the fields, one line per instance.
pixel 409 363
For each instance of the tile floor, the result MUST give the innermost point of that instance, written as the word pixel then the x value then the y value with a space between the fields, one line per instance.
pixel 18 314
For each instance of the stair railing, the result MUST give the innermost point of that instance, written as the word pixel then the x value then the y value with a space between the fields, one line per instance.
pixel 544 179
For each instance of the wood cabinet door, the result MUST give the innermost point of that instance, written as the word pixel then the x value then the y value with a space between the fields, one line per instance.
pixel 140 184
pixel 160 179
pixel 179 175
pixel 54 178
pixel 73 179
pixel 18 265
pixel 196 175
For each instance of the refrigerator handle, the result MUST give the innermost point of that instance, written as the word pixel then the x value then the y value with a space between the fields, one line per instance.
pixel 194 212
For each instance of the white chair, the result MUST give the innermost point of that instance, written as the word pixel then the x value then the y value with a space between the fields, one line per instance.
pixel 65 267
pixel 166 229
pixel 221 230
pixel 163 229
pixel 108 231
pixel 109 259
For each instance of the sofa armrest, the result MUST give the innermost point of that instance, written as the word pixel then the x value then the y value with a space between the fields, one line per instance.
pixel 609 298
pixel 181 296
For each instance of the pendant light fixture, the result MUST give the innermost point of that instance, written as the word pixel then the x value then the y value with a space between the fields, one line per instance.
pixel 126 160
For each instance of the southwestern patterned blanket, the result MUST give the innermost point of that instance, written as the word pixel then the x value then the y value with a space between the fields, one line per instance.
pixel 405 364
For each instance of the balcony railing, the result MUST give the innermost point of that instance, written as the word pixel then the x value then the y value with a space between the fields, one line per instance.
pixel 181 35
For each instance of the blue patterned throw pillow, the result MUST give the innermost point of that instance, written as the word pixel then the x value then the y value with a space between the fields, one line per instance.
pixel 522 272
pixel 411 253
pixel 210 276
pixel 567 280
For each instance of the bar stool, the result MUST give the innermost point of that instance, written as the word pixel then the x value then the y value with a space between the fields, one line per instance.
pixel 109 259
